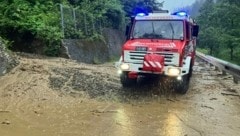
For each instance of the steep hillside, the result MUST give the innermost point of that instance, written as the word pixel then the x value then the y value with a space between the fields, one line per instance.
pixel 7 61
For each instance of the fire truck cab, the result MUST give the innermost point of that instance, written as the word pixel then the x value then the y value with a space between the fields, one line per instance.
pixel 159 44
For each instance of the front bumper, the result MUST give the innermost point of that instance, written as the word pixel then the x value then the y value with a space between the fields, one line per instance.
pixel 167 70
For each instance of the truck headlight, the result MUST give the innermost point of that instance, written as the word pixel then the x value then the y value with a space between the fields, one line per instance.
pixel 124 66
pixel 174 71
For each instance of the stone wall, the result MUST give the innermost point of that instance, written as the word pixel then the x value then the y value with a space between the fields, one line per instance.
pixel 115 40
pixel 94 51
pixel 86 51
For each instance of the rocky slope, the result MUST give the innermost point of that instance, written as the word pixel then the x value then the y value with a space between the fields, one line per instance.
pixel 7 61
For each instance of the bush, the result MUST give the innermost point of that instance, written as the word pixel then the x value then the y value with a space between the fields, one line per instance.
pixel 26 20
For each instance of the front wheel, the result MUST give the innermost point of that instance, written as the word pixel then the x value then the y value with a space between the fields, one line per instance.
pixel 182 85
pixel 126 81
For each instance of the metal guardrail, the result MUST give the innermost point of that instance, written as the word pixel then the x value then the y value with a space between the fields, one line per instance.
pixel 224 66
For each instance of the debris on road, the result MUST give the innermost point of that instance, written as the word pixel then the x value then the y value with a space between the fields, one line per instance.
pixel 58 95
pixel 231 94
pixel 231 90
pixel 6 122
pixel 204 106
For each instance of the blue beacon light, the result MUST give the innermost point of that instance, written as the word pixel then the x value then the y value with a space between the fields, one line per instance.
pixel 181 13
pixel 141 14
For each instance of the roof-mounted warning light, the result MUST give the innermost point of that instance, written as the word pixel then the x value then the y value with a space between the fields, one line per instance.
pixel 180 13
pixel 141 14
pixel 140 11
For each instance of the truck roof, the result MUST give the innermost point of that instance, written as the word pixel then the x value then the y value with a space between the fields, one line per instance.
pixel 162 16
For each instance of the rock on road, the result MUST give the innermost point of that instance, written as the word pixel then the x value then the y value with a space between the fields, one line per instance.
pixel 58 97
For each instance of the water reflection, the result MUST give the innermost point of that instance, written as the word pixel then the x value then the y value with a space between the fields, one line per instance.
pixel 123 122
pixel 133 121
pixel 172 125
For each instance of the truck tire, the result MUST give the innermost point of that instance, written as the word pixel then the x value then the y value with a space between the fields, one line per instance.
pixel 126 81
pixel 182 85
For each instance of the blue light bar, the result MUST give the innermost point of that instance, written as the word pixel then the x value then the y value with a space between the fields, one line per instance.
pixel 182 14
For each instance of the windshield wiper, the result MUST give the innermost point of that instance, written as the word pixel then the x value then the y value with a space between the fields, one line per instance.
pixel 172 31
pixel 153 31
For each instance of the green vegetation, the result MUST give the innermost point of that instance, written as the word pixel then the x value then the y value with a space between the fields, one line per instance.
pixel 220 29
pixel 27 22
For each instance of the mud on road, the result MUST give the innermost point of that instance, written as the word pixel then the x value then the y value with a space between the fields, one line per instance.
pixel 59 97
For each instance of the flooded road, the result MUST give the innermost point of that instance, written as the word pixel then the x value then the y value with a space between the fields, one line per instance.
pixel 50 97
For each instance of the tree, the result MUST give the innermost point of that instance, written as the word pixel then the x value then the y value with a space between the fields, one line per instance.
pixel 207 35
pixel 130 5
pixel 195 7
pixel 26 20
pixel 220 28
pixel 229 22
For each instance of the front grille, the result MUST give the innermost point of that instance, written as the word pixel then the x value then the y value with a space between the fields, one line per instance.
pixel 170 59
pixel 136 55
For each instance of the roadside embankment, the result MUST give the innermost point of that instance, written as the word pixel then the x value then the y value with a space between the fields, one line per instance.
pixel 7 61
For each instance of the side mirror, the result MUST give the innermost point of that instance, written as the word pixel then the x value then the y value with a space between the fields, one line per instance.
pixel 127 32
pixel 195 30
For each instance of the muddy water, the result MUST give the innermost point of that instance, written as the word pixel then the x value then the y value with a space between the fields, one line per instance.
pixel 30 107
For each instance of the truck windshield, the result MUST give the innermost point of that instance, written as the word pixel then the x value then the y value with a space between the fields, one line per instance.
pixel 158 29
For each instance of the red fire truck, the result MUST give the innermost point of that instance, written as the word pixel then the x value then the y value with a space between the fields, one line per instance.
pixel 160 44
